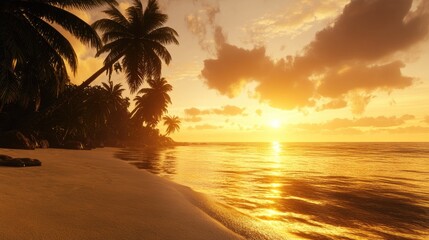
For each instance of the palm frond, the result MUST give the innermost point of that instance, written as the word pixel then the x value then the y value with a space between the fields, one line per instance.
pixel 9 86
pixel 152 16
pixel 117 16
pixel 152 65
pixel 132 63
pixel 164 35
pixel 106 25
pixel 76 26
pixel 161 51
pixel 117 46
pixel 56 40
pixel 80 4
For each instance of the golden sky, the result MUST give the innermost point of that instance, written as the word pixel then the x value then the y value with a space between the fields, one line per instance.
pixel 294 70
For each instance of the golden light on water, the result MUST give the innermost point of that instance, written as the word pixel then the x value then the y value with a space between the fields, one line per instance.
pixel 302 196
pixel 277 147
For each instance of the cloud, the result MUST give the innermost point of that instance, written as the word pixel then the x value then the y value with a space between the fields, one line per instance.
pixel 193 119
pixel 333 104
pixel 258 112
pixel 358 101
pixel 205 127
pixel 365 122
pixel 195 112
pixel 227 110
pixel 292 19
pixel 409 130
pixel 347 61
pixel 426 119
pixel 235 67
pixel 361 77
pixel 367 30
pixel 202 22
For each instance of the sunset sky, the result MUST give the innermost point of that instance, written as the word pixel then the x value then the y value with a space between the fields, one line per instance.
pixel 293 70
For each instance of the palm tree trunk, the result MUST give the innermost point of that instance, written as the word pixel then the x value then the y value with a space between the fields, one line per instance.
pixel 97 74
pixel 83 85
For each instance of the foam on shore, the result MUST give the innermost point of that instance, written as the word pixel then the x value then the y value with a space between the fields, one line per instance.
pixel 91 195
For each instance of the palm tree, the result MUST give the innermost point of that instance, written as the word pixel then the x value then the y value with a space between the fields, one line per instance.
pixel 113 95
pixel 28 40
pixel 106 111
pixel 172 123
pixel 153 102
pixel 118 114
pixel 138 38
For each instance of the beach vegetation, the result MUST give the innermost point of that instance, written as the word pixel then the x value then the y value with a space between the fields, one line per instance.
pixel 34 52
pixel 39 103
pixel 136 40
pixel 152 104
pixel 172 123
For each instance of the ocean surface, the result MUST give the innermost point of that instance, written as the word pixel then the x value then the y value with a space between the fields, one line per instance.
pixel 308 190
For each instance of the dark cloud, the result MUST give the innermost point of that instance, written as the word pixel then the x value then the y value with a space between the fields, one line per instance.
pixel 361 77
pixel 367 30
pixel 233 67
pixel 341 63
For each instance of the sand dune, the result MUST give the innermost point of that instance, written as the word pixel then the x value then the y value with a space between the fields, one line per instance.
pixel 92 195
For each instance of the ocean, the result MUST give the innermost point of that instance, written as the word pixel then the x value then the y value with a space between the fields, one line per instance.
pixel 308 190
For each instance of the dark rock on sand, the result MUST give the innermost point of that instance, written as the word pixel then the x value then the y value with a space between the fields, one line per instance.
pixel 5 157
pixel 15 139
pixel 8 161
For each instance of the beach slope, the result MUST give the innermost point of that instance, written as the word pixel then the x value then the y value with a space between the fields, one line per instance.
pixel 91 195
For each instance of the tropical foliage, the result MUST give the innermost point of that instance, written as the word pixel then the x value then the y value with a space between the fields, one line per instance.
pixel 172 123
pixel 35 56
pixel 152 103
pixel 33 53
pixel 138 38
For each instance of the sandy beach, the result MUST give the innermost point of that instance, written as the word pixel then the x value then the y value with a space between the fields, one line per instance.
pixel 91 195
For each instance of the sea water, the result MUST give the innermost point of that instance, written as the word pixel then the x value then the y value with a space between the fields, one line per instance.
pixel 308 190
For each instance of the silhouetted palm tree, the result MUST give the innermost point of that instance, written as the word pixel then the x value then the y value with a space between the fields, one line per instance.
pixel 138 38
pixel 117 107
pixel 113 95
pixel 28 41
pixel 172 123
pixel 153 102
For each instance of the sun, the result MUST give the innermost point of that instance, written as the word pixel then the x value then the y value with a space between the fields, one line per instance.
pixel 275 123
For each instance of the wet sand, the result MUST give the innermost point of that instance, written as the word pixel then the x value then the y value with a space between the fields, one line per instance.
pixel 91 195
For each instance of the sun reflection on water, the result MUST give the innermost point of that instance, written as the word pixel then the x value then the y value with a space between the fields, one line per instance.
pixel 309 191
pixel 277 147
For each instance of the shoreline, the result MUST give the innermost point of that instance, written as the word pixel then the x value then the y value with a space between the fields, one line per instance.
pixel 92 195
